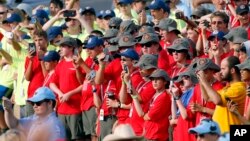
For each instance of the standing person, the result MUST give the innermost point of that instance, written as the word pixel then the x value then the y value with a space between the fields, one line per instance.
pixel 156 121
pixel 66 85
pixel 43 121
pixel 34 66
pixel 234 91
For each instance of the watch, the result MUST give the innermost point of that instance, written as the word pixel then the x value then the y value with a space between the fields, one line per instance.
pixel 177 97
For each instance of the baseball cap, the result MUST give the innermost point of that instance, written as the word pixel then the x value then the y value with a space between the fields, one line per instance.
pixel 147 61
pixel 242 9
pixel 109 13
pixel 100 14
pixel 159 4
pixel 93 41
pixel 160 73
pixel 88 9
pixel 69 41
pixel 42 93
pixel 25 7
pixel 51 56
pixel 206 126
pixel 40 13
pixel 219 34
pixel 53 32
pixel 149 37
pixel 125 1
pixel 130 53
pixel 237 35
pixel 205 63
pixel 126 40
pixel 13 18
pixel 244 65
pixel 168 25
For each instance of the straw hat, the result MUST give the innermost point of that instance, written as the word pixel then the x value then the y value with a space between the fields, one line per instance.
pixel 122 132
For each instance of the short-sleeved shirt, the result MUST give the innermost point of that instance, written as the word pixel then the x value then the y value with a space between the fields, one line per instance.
pixel 237 93
pixel 37 77
pixel 65 79
pixel 157 127
pixel 51 123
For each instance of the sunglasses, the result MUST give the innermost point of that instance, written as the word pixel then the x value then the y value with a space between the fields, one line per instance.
pixel 147 45
pixel 113 27
pixel 177 51
pixel 1 13
pixel 69 19
pixel 124 59
pixel 217 22
pixel 200 135
pixel 39 102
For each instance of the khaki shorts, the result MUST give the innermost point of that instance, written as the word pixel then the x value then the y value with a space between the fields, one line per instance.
pixel 73 126
pixel 89 121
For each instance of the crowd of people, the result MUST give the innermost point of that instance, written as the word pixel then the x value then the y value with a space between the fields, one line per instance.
pixel 153 70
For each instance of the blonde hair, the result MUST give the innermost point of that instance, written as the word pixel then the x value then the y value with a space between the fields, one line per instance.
pixel 13 135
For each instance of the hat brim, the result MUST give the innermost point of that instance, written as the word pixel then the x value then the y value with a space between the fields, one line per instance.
pixel 198 130
pixel 35 99
pixel 145 67
pixel 127 45
pixel 243 66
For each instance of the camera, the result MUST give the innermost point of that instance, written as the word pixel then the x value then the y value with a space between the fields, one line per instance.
pixel 111 95
pixel 32 47
pixel 206 23
pixel 92 74
pixel 69 13
pixel 178 15
pixel 125 68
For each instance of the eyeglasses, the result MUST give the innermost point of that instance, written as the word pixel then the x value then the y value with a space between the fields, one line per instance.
pixel 147 45
pixel 217 22
pixel 39 102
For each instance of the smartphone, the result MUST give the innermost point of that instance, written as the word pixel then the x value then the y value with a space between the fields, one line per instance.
pixel 178 15
pixel 69 13
pixel 76 52
pixel 32 47
pixel 92 74
pixel 171 83
pixel 125 67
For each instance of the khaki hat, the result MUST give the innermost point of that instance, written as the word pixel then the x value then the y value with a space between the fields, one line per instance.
pixel 237 35
pixel 145 29
pixel 115 22
pixel 189 73
pixel 126 40
pixel 205 63
pixel 110 33
pixel 127 26
pixel 168 25
pixel 149 37
pixel 244 65
pixel 179 44
pixel 160 73
pixel 122 132
pixel 147 61
pixel 67 41
pixel 113 48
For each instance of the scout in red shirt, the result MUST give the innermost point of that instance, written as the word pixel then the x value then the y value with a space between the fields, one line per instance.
pixel 147 64
pixel 66 85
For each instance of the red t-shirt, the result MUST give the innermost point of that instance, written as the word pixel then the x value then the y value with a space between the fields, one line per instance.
pixel 157 127
pixel 113 72
pixel 65 79
pixel 163 61
pixel 247 104
pixel 174 70
pixel 146 92
pixel 47 79
pixel 87 94
pixel 197 98
pixel 136 80
pixel 37 77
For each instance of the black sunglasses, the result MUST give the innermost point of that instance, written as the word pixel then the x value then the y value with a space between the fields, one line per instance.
pixel 177 51
pixel 39 102
pixel 200 135
pixel 147 45
pixel 69 19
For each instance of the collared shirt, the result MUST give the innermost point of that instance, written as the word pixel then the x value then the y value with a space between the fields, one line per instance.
pixel 35 127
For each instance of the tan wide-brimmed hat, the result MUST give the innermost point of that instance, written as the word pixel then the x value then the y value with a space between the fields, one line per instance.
pixel 122 132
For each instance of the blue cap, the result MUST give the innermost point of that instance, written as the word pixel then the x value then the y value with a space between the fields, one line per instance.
pixel 51 56
pixel 158 4
pixel 100 14
pixel 219 34
pixel 109 13
pixel 42 93
pixel 53 32
pixel 130 53
pixel 125 1
pixel 40 13
pixel 13 18
pixel 88 9
pixel 94 41
pixel 206 126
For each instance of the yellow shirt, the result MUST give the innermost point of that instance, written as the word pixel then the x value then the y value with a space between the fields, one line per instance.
pixel 237 93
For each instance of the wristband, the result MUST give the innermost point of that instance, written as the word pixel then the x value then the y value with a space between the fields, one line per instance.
pixel 119 104
pixel 134 96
